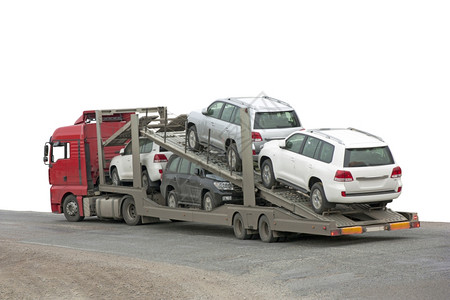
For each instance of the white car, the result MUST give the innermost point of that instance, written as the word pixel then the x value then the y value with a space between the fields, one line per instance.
pixel 153 160
pixel 219 124
pixel 333 166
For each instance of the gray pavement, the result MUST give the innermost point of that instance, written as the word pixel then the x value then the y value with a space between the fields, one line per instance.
pixel 404 264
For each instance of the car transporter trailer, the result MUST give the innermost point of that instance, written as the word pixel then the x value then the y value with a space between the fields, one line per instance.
pixel 271 213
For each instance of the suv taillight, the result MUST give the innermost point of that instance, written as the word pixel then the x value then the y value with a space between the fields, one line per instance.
pixel 343 176
pixel 256 137
pixel 159 158
pixel 396 172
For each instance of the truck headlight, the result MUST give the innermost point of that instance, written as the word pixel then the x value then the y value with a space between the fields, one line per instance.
pixel 223 185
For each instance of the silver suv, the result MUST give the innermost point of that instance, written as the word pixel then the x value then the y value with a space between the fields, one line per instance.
pixel 271 119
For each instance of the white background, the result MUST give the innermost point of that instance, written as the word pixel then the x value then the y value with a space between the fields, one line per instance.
pixel 380 66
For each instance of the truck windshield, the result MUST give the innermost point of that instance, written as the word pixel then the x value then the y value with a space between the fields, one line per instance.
pixel 279 119
pixel 366 157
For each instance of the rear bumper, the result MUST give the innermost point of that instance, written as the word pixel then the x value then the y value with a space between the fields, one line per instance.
pixel 335 195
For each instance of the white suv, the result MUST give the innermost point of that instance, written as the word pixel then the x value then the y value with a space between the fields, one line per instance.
pixel 270 119
pixel 153 161
pixel 333 166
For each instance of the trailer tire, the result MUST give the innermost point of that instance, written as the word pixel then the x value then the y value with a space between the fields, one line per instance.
pixel 267 176
pixel 265 231
pixel 233 158
pixel 172 199
pixel 239 229
pixel 129 212
pixel 71 209
pixel 319 201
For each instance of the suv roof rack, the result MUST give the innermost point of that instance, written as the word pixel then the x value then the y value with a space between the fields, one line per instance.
pixel 319 131
pixel 366 133
pixel 239 101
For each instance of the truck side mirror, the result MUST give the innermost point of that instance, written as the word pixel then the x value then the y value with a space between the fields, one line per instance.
pixel 46 149
pixel 122 151
pixel 282 144
pixel 197 172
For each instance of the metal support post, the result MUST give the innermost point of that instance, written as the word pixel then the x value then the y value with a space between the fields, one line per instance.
pixel 136 159
pixel 101 157
pixel 248 180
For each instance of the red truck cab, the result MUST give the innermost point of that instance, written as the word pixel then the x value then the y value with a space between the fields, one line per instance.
pixel 72 157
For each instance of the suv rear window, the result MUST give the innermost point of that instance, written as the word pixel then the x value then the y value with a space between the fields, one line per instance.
pixel 279 119
pixel 367 157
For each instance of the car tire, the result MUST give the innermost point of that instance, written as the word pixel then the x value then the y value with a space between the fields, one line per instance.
pixel 115 177
pixel 318 199
pixel 172 199
pixel 238 227
pixel 129 212
pixel 71 209
pixel 233 158
pixel 146 181
pixel 208 202
pixel 192 138
pixel 267 176
pixel 265 231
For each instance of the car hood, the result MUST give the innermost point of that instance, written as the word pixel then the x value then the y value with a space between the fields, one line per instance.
pixel 214 177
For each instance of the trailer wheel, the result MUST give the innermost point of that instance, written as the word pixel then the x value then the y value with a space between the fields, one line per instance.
pixel 208 202
pixel 129 212
pixel 319 201
pixel 233 158
pixel 193 138
pixel 172 199
pixel 115 177
pixel 71 209
pixel 267 176
pixel 238 227
pixel 265 232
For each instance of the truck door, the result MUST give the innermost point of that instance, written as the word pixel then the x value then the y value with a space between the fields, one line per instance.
pixel 65 164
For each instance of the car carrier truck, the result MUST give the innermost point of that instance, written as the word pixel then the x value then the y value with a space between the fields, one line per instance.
pixel 80 186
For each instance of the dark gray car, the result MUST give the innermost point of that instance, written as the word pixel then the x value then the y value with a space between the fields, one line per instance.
pixel 186 184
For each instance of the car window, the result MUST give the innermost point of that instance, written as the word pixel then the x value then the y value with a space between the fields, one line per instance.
pixel 227 112
pixel 184 166
pixel 173 165
pixel 127 150
pixel 365 157
pixel 294 143
pixel 215 109
pixel 193 167
pixel 310 147
pixel 146 145
pixel 236 117
pixel 272 120
pixel 326 152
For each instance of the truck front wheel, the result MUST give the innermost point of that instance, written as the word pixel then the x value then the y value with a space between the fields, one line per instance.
pixel 71 209
pixel 129 212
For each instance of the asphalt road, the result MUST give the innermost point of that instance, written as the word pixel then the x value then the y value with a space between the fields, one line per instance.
pixel 404 264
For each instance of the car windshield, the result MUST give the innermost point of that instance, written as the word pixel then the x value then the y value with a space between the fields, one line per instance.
pixel 279 119
pixel 366 157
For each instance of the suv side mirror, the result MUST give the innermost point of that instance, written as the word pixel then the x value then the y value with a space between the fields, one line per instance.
pixel 205 111
pixel 197 172
pixel 282 144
